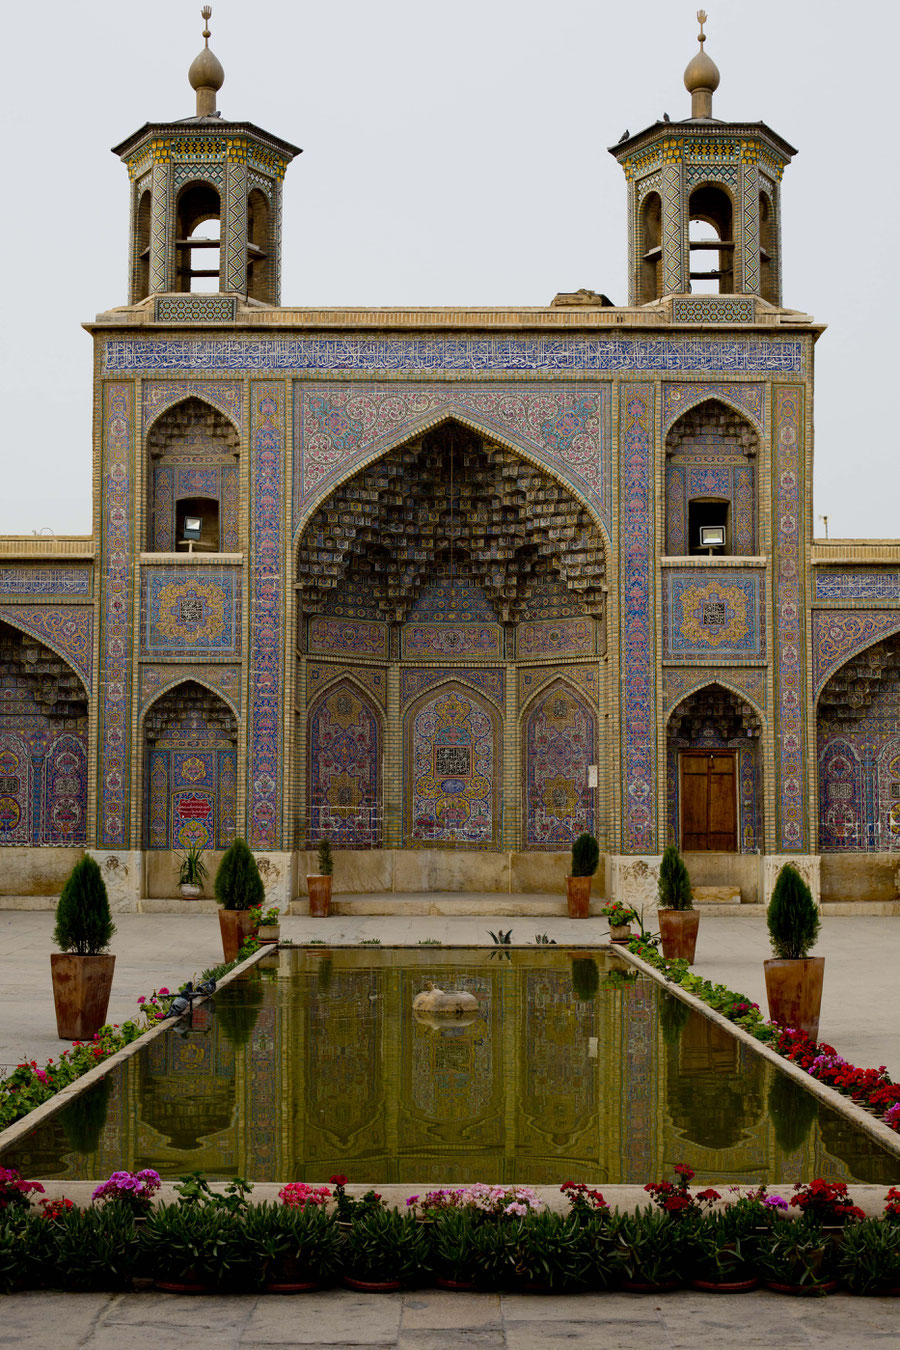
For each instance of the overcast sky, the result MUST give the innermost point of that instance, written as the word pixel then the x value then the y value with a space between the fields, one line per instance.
pixel 453 154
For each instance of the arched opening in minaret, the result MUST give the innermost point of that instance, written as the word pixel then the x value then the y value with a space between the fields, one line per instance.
pixel 461 591
pixel 711 481
pixel 768 246
pixel 142 248
pixel 193 475
pixel 711 240
pixel 651 249
pixel 259 279
pixel 198 250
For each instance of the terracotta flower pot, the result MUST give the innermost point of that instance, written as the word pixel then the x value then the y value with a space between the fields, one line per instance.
pixel 578 896
pixel 235 925
pixel 803 1290
pixel 794 991
pixel 372 1286
pixel 189 892
pixel 81 986
pixel 678 930
pixel 268 932
pixel 620 932
pixel 726 1286
pixel 319 896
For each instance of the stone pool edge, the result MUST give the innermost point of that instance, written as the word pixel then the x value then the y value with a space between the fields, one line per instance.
pixel 876 1129
pixel 19 1128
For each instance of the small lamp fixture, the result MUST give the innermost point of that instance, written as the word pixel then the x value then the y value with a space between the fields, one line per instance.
pixel 712 536
pixel 193 527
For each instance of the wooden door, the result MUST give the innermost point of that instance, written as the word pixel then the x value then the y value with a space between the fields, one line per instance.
pixel 709 801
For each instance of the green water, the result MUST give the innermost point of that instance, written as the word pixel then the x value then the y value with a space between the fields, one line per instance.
pixel 318 1065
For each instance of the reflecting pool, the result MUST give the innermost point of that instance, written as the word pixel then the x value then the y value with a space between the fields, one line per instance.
pixel 571 1068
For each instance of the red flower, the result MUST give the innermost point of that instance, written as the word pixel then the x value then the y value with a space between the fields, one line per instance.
pixel 338 1179
pixel 683 1170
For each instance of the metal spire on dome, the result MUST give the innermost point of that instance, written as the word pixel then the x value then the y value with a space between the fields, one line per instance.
pixel 206 74
pixel 701 78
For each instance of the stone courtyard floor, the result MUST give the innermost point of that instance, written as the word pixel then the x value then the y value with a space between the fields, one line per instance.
pixel 860 1018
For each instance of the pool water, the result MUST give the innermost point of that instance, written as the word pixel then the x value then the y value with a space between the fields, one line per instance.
pixel 569 1069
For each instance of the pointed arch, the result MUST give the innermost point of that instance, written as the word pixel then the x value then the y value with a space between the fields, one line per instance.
pixel 711 478
pixel 67 632
pixel 559 742
pixel 185 395
pixel 193 456
pixel 189 736
pixel 714 770
pixel 43 743
pixel 452 769
pixel 586 494
pixel 345 736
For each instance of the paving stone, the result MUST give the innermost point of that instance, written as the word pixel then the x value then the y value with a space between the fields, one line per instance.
pixel 605 1308
pixel 462 1338
pixel 436 1309
pixel 560 1335
pixel 331 1317
pixel 38 1320
pixel 148 1337
pixel 179 1310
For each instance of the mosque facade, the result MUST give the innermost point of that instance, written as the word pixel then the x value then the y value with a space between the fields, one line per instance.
pixel 451 586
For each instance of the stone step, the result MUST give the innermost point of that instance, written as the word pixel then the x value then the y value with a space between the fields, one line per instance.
pixel 447 905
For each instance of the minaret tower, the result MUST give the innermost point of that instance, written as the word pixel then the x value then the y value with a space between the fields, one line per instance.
pixel 206 198
pixel 703 199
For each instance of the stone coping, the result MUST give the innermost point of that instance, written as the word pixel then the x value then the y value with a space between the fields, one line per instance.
pixel 876 1129
pixel 19 1128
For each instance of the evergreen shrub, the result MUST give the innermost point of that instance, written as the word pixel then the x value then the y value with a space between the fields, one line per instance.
pixel 83 921
pixel 792 916
pixel 585 856
pixel 674 882
pixel 238 884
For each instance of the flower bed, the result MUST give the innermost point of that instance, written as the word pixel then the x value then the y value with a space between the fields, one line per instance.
pixel 873 1089
pixel 29 1085
pixel 483 1237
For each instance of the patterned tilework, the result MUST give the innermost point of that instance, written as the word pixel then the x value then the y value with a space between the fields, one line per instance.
pixel 566 637
pixel 415 682
pixel 266 678
pixel 456 601
pixel 836 636
pixel 748 398
pixel 344 747
pixel 185 614
pixel 751 683
pixel 637 623
pixel 192 797
pixel 69 631
pixel 444 639
pixel 734 483
pixel 226 680
pixel 338 426
pixel 172 483
pixel 859 766
pixel 43 784
pixel 430 355
pixel 583 677
pixel 559 744
pixel 709 613
pixel 46 582
pixel 226 395
pixel 195 309
pixel 856 585
pixel 790 774
pixel 842 799
pixel 116 615
pixel 370 677
pixel 714 309
pixel 452 768
pixel 347 637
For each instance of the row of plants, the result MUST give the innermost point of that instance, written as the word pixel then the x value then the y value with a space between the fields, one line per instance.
pixel 29 1084
pixel 873 1089
pixel 476 1237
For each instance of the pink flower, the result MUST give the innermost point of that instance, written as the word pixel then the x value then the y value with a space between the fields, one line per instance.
pixel 142 999
pixel 163 991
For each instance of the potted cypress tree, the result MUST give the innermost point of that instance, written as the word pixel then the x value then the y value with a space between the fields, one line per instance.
pixel 82 969
pixel 239 888
pixel 793 977
pixel 319 884
pixel 678 920
pixel 585 857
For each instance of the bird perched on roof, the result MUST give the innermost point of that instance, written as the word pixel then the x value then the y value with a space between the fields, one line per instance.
pixel 624 136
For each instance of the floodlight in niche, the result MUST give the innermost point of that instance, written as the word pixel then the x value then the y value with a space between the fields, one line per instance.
pixel 193 527
pixel 712 536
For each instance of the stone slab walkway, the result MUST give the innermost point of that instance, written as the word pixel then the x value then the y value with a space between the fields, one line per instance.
pixel 433 1320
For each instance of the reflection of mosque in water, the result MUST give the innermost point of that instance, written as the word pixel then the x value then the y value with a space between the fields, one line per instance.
pixel 329 1071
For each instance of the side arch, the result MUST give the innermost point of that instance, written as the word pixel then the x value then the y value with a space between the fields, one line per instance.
pixel 190 768
pixel 67 632
pixel 186 397
pixel 559 741
pixel 452 739
pixel 345 749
